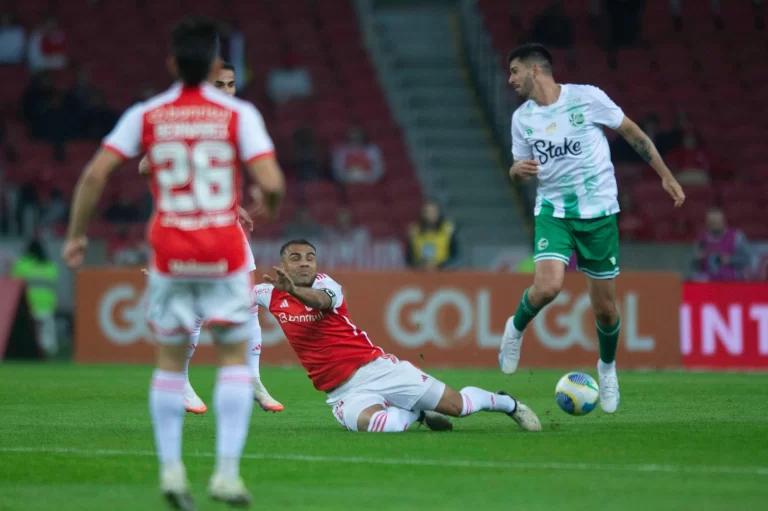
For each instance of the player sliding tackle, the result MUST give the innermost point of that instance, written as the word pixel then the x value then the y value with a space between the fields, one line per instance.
pixel 225 82
pixel 195 136
pixel 557 137
pixel 368 389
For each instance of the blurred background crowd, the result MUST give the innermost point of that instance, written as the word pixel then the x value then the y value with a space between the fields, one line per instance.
pixel 391 120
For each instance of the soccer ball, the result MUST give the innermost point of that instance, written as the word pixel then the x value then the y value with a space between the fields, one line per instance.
pixel 577 393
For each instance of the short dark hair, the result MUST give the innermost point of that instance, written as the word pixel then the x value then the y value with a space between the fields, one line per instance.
pixel 226 66
pixel 304 242
pixel 532 51
pixel 194 45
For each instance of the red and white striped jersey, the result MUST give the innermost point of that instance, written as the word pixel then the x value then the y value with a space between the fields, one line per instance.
pixel 329 345
pixel 193 138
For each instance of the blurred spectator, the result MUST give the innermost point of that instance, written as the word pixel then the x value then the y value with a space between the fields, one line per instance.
pixel 47 48
pixel 99 117
pixel 553 27
pixel 307 160
pixel 691 163
pixel 432 243
pixel 626 18
pixel 357 160
pixel 232 50
pixel 122 250
pixel 289 81
pixel 12 40
pixel 53 123
pixel 35 100
pixel 633 225
pixel 42 278
pixel 122 210
pixel 346 231
pixel 302 226
pixel 721 253
pixel 53 209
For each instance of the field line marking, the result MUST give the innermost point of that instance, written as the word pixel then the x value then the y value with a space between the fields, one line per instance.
pixel 422 462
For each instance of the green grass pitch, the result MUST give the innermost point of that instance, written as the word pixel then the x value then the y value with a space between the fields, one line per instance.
pixel 79 438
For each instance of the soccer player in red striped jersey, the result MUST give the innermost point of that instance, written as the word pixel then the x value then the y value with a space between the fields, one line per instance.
pixel 194 136
pixel 225 82
pixel 368 389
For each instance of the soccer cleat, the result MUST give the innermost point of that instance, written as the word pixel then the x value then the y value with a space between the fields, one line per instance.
pixel 609 389
pixel 173 484
pixel 524 416
pixel 192 402
pixel 266 402
pixel 435 421
pixel 230 491
pixel 509 353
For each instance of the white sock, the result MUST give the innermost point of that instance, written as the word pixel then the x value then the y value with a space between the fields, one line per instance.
pixel 606 367
pixel 476 400
pixel 233 402
pixel 166 405
pixel 254 346
pixel 194 338
pixel 392 420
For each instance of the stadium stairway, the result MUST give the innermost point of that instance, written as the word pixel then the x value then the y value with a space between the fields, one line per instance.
pixel 415 52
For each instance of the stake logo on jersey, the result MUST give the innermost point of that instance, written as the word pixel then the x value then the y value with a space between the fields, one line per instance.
pixel 193 138
pixel 576 177
pixel 329 345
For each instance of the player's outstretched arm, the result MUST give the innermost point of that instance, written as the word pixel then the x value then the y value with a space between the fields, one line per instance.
pixel 87 194
pixel 644 146
pixel 321 299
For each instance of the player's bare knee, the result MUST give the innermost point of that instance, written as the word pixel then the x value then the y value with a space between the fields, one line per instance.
pixel 364 419
pixel 606 312
pixel 231 354
pixel 545 290
pixel 172 357
pixel 451 403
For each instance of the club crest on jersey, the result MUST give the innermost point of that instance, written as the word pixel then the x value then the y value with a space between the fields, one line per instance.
pixel 576 119
pixel 542 244
pixel 552 127
pixel 529 132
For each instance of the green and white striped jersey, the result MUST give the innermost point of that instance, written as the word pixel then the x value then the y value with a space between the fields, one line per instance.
pixel 576 177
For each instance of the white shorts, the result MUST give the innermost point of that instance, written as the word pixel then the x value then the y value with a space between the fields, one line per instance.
pixel 385 381
pixel 174 306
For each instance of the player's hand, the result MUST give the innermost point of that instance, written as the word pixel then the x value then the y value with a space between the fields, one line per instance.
pixel 673 188
pixel 73 252
pixel 245 218
pixel 524 169
pixel 144 167
pixel 282 283
pixel 145 271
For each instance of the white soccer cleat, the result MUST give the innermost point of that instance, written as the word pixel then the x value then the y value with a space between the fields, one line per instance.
pixel 175 488
pixel 609 388
pixel 192 402
pixel 229 490
pixel 509 353
pixel 266 402
pixel 524 416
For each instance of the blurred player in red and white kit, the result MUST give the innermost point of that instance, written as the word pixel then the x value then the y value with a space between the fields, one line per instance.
pixel 225 82
pixel 194 136
pixel 368 389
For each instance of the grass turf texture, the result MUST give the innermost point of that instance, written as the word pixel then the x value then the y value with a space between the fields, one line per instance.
pixel 79 438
